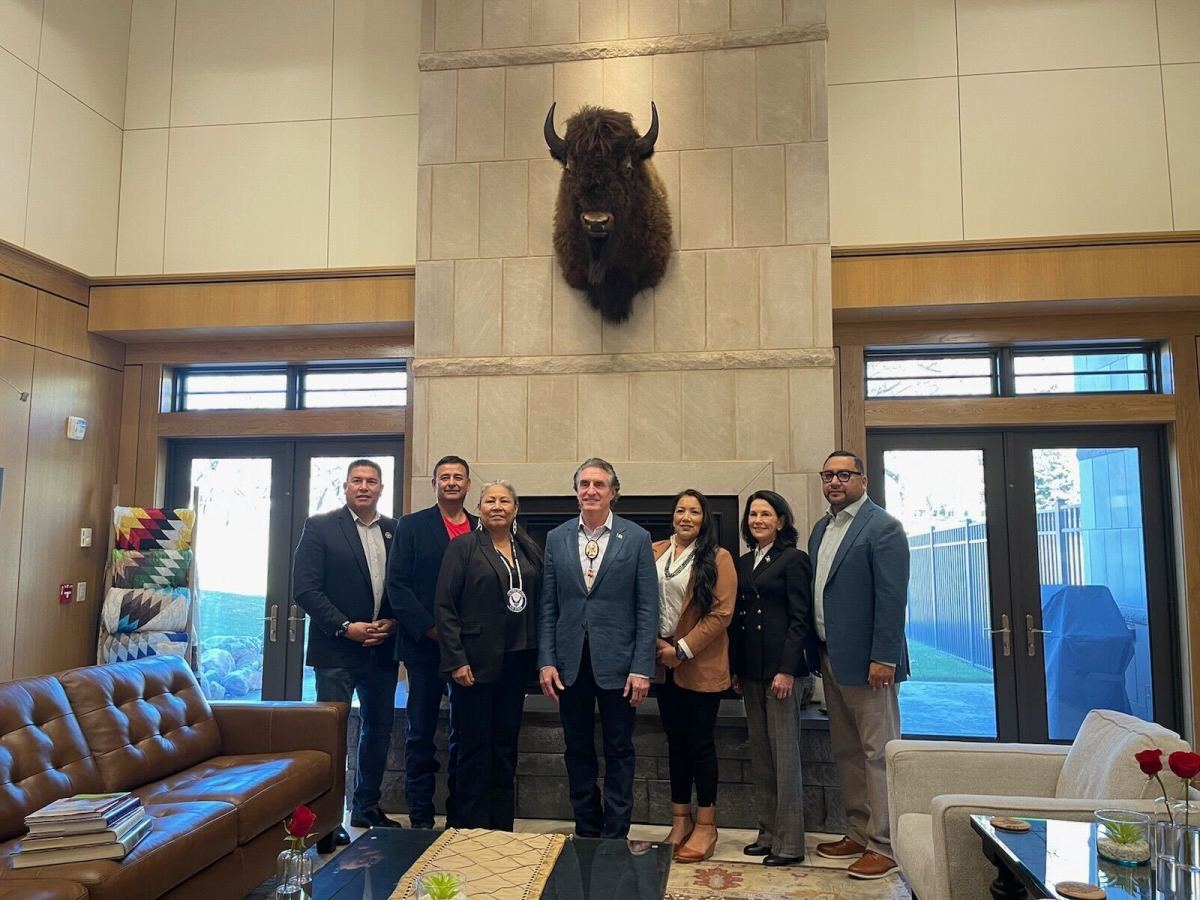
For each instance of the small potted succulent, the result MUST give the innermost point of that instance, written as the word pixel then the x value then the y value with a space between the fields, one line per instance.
pixel 1123 836
pixel 442 885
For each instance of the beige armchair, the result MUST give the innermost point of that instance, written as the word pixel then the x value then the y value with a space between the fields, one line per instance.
pixel 935 786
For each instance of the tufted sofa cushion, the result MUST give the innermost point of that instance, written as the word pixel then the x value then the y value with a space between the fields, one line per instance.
pixel 142 720
pixel 43 754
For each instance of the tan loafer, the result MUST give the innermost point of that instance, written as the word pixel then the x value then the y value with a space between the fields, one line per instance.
pixel 846 848
pixel 872 865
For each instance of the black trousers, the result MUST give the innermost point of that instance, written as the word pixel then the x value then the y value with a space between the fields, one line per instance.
pixel 690 719
pixel 594 818
pixel 425 689
pixel 487 722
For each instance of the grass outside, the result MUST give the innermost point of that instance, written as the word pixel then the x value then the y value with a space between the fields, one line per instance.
pixel 931 664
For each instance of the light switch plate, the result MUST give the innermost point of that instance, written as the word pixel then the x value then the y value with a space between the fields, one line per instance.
pixel 85 537
pixel 80 591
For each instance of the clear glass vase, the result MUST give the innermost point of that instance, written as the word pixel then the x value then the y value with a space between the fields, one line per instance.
pixel 293 873
pixel 1177 851
pixel 1123 836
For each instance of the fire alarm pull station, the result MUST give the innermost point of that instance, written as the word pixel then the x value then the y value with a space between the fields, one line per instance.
pixel 66 591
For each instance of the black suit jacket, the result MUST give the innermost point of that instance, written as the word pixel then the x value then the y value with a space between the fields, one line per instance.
pixel 472 606
pixel 416 558
pixel 770 631
pixel 331 582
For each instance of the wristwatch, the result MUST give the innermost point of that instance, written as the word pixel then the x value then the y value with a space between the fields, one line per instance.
pixel 679 653
pixel 342 629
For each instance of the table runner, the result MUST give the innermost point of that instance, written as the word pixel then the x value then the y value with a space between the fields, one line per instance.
pixel 498 865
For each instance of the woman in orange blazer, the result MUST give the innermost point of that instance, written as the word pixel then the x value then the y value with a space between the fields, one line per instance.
pixel 697 590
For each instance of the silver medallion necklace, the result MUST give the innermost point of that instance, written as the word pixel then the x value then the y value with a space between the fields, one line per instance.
pixel 516 599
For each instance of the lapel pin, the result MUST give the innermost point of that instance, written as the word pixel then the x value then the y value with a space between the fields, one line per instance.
pixel 620 535
pixel 767 559
pixel 387 535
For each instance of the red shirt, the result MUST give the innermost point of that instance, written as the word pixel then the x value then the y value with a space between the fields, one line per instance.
pixel 455 530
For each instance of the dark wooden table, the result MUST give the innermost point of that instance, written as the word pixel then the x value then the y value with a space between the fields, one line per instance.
pixel 1030 863
pixel 587 868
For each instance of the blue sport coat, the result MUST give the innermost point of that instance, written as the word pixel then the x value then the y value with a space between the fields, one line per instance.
pixel 866 595
pixel 619 616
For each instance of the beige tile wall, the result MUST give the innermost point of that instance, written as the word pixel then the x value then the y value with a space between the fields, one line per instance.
pixel 982 119
pixel 62 107
pixel 742 152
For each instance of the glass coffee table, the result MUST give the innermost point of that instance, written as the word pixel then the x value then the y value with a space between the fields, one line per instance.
pixel 587 868
pixel 1029 863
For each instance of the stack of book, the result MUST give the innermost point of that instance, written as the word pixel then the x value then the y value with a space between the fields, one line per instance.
pixel 81 828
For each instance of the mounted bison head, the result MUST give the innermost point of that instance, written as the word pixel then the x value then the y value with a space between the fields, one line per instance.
pixel 612 227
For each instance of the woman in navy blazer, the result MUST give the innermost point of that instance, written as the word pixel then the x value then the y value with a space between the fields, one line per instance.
pixel 485 608
pixel 768 643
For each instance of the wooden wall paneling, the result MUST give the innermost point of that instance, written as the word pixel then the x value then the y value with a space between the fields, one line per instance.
pixel 298 350
pixel 295 308
pixel 39 272
pixel 388 420
pixel 1117 272
pixel 16 366
pixel 852 395
pixel 150 472
pixel 62 326
pixel 127 453
pixel 69 486
pixel 978 412
pixel 1031 328
pixel 18 310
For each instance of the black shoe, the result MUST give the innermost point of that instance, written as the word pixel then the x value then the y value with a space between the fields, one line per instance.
pixel 775 860
pixel 426 824
pixel 341 837
pixel 372 818
pixel 756 849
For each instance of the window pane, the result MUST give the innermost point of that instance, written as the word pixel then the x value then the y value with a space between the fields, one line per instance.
pixel 234 401
pixel 1081 384
pixel 258 381
pixel 236 390
pixel 325 399
pixel 325 381
pixel 1031 364
pixel 928 376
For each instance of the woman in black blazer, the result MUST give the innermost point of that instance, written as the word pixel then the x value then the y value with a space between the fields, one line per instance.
pixel 768 643
pixel 487 633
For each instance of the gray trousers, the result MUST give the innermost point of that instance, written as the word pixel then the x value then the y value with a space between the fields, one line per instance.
pixel 862 719
pixel 774 727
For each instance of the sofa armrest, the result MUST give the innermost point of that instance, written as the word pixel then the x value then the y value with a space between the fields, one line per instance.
pixel 280 727
pixel 919 771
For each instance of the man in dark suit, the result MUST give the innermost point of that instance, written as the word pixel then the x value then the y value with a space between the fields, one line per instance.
pixel 339 576
pixel 860 593
pixel 597 626
pixel 421 540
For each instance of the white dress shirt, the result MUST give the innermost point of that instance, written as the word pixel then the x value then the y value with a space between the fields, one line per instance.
pixel 601 539
pixel 835 531
pixel 671 592
pixel 760 552
pixel 371 535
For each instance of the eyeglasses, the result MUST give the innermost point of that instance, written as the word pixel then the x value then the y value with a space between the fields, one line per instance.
pixel 843 477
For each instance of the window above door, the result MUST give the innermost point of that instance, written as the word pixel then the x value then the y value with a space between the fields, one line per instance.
pixel 290 387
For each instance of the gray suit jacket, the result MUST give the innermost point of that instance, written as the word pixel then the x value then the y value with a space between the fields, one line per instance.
pixel 866 595
pixel 619 616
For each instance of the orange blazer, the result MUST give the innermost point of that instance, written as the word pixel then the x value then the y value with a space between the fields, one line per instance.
pixel 706 636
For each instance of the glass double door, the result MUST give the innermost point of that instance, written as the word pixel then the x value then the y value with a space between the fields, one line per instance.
pixel 1039 585
pixel 253 499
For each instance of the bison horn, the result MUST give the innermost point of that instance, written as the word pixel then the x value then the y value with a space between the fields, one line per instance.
pixel 645 144
pixel 558 147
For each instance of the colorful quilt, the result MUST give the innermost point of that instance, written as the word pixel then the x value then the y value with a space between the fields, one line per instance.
pixel 129 610
pixel 153 529
pixel 123 647
pixel 150 568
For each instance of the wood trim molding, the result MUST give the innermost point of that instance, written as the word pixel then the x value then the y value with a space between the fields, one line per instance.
pixel 998 412
pixel 851 394
pixel 1020 243
pixel 255 275
pixel 389 420
pixel 295 350
pixel 37 271
pixel 970 329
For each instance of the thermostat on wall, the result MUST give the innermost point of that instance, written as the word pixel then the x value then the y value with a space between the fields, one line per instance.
pixel 76 428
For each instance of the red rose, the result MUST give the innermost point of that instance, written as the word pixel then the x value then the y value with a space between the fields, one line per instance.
pixel 302 820
pixel 1185 765
pixel 1150 761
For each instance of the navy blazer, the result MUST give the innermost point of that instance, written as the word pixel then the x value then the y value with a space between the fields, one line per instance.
pixel 866 595
pixel 772 626
pixel 619 616
pixel 332 583
pixel 416 559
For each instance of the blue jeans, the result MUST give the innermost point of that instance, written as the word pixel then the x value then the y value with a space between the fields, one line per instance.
pixel 425 691
pixel 376 689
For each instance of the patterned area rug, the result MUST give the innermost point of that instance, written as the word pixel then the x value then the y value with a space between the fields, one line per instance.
pixel 739 881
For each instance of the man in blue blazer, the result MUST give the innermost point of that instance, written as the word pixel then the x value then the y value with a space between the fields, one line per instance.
pixel 597 625
pixel 421 540
pixel 860 593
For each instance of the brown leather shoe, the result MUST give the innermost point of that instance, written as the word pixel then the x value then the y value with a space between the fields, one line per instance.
pixel 702 842
pixel 681 824
pixel 846 848
pixel 872 865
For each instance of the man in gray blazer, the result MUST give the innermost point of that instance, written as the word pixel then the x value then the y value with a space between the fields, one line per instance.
pixel 597 624
pixel 860 592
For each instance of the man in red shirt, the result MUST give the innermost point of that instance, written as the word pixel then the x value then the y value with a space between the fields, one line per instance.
pixel 416 558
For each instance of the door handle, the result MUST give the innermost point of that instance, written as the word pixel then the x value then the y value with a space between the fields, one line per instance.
pixel 1030 631
pixel 1004 629
pixel 293 620
pixel 272 621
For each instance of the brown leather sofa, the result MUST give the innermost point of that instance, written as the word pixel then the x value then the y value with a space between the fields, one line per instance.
pixel 218 780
